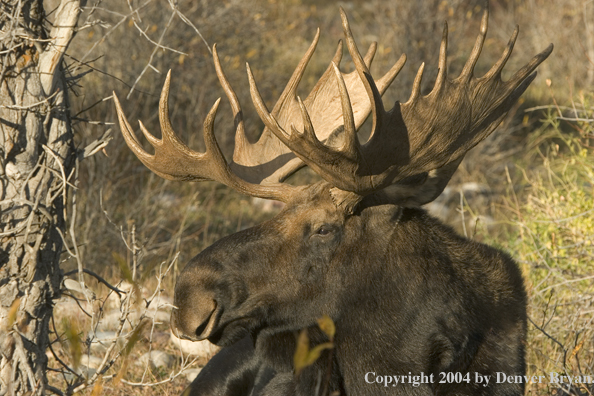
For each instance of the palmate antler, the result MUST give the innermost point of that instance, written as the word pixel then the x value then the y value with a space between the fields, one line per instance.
pixel 257 169
pixel 412 152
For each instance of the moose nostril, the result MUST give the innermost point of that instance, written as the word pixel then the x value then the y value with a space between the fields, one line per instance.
pixel 196 317
pixel 209 323
pixel 203 326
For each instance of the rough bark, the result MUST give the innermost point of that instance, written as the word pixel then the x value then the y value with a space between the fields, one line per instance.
pixel 36 159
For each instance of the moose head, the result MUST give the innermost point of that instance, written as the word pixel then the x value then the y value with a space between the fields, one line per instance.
pixel 406 293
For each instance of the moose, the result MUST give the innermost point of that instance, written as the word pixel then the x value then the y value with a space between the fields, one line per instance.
pixel 409 298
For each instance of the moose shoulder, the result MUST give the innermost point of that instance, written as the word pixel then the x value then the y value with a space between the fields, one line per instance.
pixel 407 295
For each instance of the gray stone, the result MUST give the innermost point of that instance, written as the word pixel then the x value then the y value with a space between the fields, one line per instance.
pixel 156 359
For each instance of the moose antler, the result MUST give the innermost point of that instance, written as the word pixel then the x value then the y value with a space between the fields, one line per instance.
pixel 411 154
pixel 416 145
pixel 173 160
pixel 257 168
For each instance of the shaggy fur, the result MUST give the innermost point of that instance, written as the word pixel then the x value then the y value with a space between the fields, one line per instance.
pixel 406 293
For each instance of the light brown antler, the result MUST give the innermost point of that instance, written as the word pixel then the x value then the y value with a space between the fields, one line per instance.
pixel 258 168
pixel 415 147
pixel 173 160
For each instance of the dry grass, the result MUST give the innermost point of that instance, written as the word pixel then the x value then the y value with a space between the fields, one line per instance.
pixel 548 213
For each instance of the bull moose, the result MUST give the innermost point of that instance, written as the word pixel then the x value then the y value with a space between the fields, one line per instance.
pixel 410 299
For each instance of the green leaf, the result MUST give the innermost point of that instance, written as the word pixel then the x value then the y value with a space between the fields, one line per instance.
pixel 124 268
pixel 72 335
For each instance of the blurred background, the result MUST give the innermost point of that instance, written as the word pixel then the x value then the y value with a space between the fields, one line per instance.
pixel 527 189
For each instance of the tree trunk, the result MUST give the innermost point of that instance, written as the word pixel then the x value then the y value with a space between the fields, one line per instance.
pixel 36 159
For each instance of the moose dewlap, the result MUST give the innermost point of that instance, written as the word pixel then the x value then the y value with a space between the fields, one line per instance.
pixel 407 295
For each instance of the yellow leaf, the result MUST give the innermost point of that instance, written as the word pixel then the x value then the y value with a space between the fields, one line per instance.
pixel 12 313
pixel 315 352
pixel 187 391
pixel 305 357
pixel 123 369
pixel 576 349
pixel 98 388
pixel 251 53
pixel 327 326
pixel 301 352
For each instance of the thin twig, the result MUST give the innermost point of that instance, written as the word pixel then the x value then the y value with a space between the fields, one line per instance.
pixel 98 277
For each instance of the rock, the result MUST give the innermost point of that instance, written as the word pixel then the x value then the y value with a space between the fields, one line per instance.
pixel 110 321
pixel 74 286
pixel 157 359
pixel 191 374
pixel 90 361
pixel 84 371
pixel 199 348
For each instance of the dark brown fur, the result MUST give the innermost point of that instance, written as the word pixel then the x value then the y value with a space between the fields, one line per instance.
pixel 407 295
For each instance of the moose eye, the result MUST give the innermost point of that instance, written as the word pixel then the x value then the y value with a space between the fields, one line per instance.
pixel 324 230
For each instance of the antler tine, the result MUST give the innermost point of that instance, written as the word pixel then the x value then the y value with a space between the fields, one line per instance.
pixel 498 66
pixel 416 89
pixel 442 74
pixel 299 143
pixel 387 78
pixel 529 67
pixel 377 106
pixel 368 58
pixel 240 139
pixel 149 136
pixel 262 110
pixel 291 87
pixel 351 143
pixel 129 135
pixel 288 94
pixel 222 172
pixel 175 161
pixel 308 128
pixel 351 45
pixel 338 53
pixel 212 147
pixel 466 74
pixel 167 132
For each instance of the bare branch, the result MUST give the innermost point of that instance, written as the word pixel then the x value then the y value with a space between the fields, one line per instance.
pixel 62 32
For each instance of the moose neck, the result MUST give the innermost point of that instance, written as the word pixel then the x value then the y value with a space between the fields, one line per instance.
pixel 416 284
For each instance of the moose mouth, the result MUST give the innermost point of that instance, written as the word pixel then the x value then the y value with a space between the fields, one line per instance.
pixel 220 332
pixel 229 332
